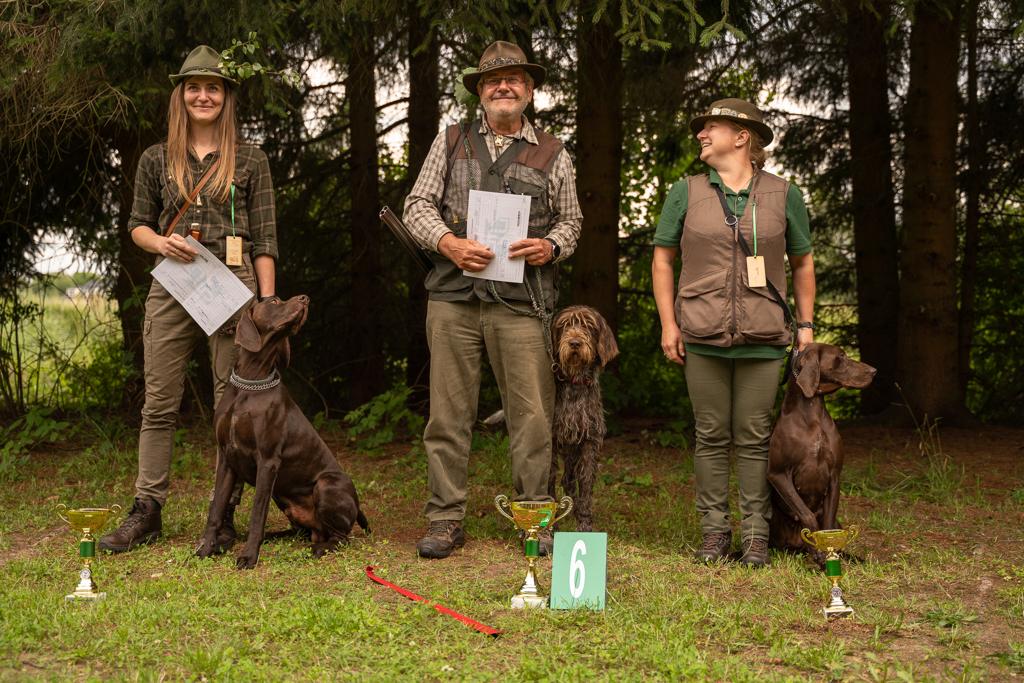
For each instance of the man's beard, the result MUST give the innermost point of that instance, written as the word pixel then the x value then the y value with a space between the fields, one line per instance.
pixel 505 115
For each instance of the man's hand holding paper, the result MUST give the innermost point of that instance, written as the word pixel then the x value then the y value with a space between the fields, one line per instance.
pixel 499 222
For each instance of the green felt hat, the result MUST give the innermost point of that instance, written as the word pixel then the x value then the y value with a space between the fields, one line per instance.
pixel 734 109
pixel 202 61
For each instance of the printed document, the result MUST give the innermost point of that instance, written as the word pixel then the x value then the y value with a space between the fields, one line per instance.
pixel 496 220
pixel 206 288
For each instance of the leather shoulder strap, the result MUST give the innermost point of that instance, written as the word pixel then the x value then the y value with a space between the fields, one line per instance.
pixel 192 196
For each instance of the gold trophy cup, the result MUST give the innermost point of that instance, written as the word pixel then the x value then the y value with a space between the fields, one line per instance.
pixel 86 521
pixel 831 541
pixel 531 517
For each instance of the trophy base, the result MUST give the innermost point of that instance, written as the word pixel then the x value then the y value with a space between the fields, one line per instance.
pixel 86 597
pixel 837 612
pixel 837 608
pixel 529 602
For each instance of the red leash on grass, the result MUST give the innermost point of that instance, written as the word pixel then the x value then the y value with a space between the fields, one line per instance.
pixel 483 628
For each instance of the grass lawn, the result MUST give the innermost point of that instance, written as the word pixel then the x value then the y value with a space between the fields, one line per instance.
pixel 938 587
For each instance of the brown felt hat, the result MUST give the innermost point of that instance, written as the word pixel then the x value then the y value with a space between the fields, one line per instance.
pixel 202 61
pixel 502 55
pixel 737 110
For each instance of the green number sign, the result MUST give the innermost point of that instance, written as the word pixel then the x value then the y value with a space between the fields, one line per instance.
pixel 578 570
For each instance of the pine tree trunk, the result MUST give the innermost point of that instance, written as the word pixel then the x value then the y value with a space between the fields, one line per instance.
pixel 874 217
pixel 928 361
pixel 424 119
pixel 975 185
pixel 595 270
pixel 364 332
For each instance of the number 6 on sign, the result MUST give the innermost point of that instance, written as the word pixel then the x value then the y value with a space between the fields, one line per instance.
pixel 578 570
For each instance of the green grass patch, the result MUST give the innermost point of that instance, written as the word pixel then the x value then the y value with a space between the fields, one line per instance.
pixel 921 613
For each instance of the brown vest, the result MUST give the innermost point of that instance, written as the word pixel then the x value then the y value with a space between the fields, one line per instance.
pixel 715 305
pixel 523 168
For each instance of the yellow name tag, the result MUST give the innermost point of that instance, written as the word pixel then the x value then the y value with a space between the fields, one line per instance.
pixel 755 272
pixel 234 257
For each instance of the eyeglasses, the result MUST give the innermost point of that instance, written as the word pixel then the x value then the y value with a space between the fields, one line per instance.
pixel 495 81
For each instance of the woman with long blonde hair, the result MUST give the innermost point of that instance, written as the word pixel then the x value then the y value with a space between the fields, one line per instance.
pixel 203 182
pixel 727 321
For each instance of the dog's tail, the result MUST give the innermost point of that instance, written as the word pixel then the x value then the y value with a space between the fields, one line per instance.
pixel 361 519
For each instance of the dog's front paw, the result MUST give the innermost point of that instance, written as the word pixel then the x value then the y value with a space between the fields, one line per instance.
pixel 226 537
pixel 206 549
pixel 329 546
pixel 247 560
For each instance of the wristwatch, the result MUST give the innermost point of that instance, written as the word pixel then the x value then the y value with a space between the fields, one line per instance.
pixel 806 325
pixel 556 250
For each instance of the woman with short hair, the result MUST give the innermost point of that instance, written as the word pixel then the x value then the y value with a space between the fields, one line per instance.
pixel 232 215
pixel 723 322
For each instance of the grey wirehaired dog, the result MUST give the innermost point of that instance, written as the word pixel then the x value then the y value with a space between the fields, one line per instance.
pixel 583 345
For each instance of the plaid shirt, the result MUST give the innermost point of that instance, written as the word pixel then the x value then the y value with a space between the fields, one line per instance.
pixel 157 201
pixel 422 212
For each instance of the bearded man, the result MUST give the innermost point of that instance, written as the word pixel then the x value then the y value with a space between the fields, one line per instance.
pixel 466 317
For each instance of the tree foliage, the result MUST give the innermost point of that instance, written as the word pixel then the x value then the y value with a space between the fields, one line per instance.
pixel 83 91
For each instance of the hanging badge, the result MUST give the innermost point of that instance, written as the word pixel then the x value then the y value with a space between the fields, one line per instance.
pixel 234 257
pixel 755 272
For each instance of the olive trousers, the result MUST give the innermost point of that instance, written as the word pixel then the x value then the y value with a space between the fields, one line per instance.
pixel 169 337
pixel 732 408
pixel 459 333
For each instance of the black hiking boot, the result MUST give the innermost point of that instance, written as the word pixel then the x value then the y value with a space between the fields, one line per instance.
pixel 443 536
pixel 141 526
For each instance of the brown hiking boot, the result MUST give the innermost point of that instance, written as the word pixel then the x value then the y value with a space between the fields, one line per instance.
pixel 141 526
pixel 755 552
pixel 443 536
pixel 714 547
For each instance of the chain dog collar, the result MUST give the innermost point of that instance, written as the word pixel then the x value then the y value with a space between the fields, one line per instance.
pixel 256 384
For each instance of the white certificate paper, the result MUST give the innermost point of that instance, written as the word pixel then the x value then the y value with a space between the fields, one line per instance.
pixel 496 220
pixel 206 288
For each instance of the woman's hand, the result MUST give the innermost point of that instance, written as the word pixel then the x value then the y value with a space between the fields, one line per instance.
pixel 175 247
pixel 804 336
pixel 672 344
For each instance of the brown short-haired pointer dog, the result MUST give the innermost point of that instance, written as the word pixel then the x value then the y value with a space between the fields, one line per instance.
pixel 266 441
pixel 805 457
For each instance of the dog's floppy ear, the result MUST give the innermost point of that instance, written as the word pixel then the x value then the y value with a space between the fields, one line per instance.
pixel 607 347
pixel 810 371
pixel 246 334
pixel 556 328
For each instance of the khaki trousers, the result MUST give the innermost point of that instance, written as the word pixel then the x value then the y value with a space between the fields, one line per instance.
pixel 169 336
pixel 458 334
pixel 732 407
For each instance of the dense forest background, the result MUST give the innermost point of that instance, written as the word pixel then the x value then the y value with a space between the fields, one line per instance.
pixel 899 119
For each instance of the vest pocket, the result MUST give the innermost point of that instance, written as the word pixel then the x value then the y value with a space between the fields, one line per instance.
pixel 763 321
pixel 701 305
pixel 538 202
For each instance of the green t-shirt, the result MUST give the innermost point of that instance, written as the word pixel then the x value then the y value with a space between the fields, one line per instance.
pixel 798 242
